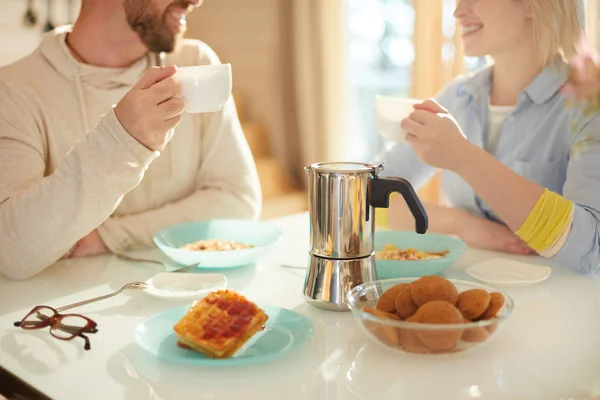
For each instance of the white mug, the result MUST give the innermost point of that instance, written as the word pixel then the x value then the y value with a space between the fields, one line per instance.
pixel 205 88
pixel 389 112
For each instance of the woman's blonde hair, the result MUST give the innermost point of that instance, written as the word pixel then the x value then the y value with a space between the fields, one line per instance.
pixel 557 27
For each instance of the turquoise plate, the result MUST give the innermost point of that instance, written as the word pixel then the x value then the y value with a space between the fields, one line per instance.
pixel 261 235
pixel 389 269
pixel 284 332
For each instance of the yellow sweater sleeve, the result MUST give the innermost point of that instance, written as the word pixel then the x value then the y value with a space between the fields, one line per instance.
pixel 547 221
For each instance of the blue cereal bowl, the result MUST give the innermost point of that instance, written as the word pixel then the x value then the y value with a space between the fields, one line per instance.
pixel 258 234
pixel 430 242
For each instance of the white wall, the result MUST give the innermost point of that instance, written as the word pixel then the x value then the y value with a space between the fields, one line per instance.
pixel 18 40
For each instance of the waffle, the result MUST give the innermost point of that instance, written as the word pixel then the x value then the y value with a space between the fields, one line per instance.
pixel 219 324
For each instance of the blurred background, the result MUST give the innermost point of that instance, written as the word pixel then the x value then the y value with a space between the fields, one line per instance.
pixel 305 72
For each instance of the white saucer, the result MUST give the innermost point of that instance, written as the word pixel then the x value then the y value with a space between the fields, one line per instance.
pixel 179 285
pixel 501 271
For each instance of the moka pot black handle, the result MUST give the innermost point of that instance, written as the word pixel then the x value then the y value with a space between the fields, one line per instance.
pixel 382 188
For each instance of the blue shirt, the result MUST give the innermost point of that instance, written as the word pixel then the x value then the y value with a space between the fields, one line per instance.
pixel 545 140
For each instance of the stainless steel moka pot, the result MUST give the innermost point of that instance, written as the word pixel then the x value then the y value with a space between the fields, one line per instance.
pixel 342 197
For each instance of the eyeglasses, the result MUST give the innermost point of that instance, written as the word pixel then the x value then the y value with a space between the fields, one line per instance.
pixel 62 326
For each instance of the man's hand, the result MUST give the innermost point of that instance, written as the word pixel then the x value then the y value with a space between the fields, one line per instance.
pixel 152 108
pixel 89 245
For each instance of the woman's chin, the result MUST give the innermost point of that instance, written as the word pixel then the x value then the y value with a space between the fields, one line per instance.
pixel 473 52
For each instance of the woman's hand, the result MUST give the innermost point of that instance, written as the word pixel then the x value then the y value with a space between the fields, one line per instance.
pixel 584 73
pixel 490 235
pixel 436 137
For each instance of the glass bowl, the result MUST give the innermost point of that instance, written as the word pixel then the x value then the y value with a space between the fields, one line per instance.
pixel 424 339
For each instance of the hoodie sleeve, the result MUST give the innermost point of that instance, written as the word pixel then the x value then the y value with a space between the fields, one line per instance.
pixel 42 216
pixel 227 186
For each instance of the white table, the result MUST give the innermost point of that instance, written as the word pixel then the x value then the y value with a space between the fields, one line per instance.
pixel 548 349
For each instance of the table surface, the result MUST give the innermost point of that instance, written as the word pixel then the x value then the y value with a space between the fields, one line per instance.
pixel 547 349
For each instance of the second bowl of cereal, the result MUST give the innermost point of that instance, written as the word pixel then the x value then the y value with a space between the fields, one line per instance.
pixel 217 243
pixel 403 254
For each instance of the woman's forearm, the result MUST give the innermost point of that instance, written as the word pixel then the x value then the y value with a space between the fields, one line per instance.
pixel 473 230
pixel 442 219
pixel 511 196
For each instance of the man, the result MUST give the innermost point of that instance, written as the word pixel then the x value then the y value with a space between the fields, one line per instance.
pixel 79 176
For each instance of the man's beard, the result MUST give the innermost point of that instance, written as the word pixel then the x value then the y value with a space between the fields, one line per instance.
pixel 151 26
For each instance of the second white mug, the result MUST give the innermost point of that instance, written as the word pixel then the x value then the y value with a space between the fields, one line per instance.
pixel 389 113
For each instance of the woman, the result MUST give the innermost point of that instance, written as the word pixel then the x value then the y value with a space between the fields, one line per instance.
pixel 521 169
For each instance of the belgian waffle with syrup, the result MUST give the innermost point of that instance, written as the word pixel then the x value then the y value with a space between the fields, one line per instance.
pixel 220 323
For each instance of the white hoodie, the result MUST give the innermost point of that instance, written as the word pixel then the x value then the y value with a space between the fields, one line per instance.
pixel 68 167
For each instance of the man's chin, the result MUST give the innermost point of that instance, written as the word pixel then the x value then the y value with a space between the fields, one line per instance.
pixel 165 46
pixel 177 42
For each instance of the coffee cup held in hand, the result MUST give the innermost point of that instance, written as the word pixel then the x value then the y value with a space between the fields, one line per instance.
pixel 389 113
pixel 205 88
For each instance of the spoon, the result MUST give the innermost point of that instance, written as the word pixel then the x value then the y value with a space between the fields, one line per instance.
pixel 292 266
pixel 186 268
pixel 131 285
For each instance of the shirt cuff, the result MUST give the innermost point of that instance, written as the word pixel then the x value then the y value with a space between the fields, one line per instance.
pixel 559 243
pixel 576 251
pixel 140 152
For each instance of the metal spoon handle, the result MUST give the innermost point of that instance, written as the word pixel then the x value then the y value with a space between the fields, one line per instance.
pixel 138 285
pixel 293 266
pixel 130 258
pixel 185 268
